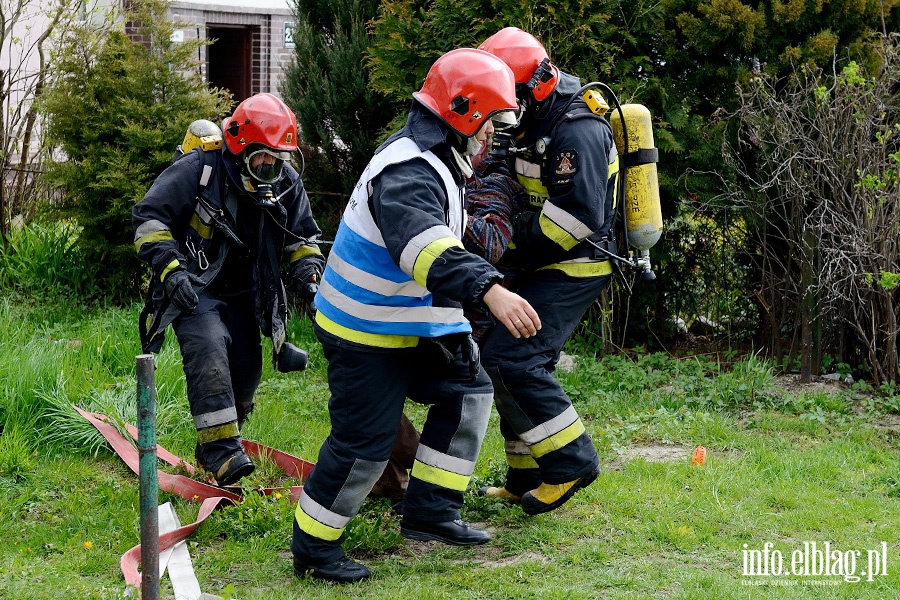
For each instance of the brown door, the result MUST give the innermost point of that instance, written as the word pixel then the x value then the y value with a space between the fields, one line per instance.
pixel 229 59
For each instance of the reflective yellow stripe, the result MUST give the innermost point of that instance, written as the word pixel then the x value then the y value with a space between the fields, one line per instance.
pixel 303 252
pixel 150 238
pixel 582 269
pixel 535 192
pixel 557 441
pixel 556 233
pixel 521 461
pixel 220 432
pixel 445 479
pixel 172 265
pixel 614 181
pixel 203 230
pixel 428 255
pixel 369 339
pixel 613 168
pixel 316 529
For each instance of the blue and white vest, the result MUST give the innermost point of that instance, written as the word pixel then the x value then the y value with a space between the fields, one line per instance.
pixel 364 296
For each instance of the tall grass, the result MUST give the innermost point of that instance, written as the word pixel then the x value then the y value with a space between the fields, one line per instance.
pixel 42 261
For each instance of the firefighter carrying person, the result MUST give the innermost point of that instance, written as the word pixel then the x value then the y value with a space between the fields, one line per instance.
pixel 216 226
pixel 567 162
pixel 391 326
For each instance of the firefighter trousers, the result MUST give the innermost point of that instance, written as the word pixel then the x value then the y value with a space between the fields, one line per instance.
pixel 535 412
pixel 368 389
pixel 222 359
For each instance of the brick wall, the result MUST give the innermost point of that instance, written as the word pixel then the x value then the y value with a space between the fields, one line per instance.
pixel 269 56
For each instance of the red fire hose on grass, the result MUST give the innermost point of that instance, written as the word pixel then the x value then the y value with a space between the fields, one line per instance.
pixel 210 496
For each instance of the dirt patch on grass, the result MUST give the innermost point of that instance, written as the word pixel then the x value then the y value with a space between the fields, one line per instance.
pixel 488 555
pixel 658 453
pixel 516 560
pixel 888 423
pixel 792 385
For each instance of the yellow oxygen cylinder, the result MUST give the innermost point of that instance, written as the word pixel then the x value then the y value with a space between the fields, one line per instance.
pixel 641 206
pixel 204 134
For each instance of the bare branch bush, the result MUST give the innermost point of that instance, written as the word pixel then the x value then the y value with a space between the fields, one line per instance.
pixel 29 33
pixel 817 158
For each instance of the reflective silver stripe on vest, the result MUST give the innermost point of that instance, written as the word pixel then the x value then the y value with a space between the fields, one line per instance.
pixel 204 176
pixel 372 282
pixel 357 215
pixel 528 169
pixel 551 427
pixel 567 222
pixel 394 314
pixel 203 214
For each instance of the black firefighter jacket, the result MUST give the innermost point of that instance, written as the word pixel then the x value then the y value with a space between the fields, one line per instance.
pixel 197 216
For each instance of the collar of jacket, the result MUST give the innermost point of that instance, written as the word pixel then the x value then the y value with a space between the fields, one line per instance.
pixel 429 133
pixel 426 130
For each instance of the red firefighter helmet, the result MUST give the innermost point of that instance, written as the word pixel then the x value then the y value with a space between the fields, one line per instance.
pixel 466 87
pixel 261 119
pixel 527 58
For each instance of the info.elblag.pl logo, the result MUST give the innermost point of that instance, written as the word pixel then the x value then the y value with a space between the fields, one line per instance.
pixel 813 563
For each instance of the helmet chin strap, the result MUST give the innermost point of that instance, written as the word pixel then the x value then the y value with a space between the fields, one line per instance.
pixel 462 161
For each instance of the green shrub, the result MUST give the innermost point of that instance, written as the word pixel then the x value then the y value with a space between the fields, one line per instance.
pixel 116 111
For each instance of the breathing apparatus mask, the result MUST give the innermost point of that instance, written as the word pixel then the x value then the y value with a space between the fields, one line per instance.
pixel 260 168
pixel 505 131
pixel 473 146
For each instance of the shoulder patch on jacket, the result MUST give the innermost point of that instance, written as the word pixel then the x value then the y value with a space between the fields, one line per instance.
pixel 565 163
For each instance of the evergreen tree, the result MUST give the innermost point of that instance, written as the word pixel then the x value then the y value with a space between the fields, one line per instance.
pixel 117 109
pixel 327 85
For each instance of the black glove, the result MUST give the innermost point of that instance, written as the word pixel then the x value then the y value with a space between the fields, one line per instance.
pixel 180 291
pixel 308 295
pixel 441 352
pixel 303 272
pixel 305 276
pixel 522 224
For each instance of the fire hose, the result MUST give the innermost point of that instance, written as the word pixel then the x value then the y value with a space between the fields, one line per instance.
pixel 210 496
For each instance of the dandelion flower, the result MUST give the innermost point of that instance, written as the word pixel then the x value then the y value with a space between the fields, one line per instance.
pixel 88 545
pixel 277 496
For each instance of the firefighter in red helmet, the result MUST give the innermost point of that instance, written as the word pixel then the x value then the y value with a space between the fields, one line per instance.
pixel 216 227
pixel 391 323
pixel 565 159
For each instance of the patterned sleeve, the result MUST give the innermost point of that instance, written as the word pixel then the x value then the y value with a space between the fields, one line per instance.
pixel 491 203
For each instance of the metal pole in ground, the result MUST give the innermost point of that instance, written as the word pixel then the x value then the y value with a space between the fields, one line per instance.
pixel 146 409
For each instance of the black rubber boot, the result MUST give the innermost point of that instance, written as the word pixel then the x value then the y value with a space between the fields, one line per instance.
pixel 343 570
pixel 238 465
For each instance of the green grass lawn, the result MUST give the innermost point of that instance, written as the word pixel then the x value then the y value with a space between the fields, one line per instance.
pixel 785 470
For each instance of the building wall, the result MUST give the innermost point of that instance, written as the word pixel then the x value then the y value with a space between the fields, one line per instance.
pixel 267 18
